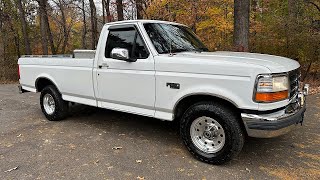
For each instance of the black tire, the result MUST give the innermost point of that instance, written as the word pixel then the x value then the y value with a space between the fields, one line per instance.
pixel 61 107
pixel 234 137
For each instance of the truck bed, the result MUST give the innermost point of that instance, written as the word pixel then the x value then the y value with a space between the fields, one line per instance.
pixel 77 87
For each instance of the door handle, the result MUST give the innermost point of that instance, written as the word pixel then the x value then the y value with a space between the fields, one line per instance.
pixel 103 65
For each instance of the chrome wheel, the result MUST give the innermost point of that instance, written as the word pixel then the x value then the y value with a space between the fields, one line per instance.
pixel 207 134
pixel 49 104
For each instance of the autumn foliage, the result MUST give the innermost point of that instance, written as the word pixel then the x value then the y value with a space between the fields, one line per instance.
pixel 289 28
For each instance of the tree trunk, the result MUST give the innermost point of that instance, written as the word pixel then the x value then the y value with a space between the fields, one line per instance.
pixel 103 11
pixel 24 28
pixel 64 27
pixel 107 6
pixel 194 11
pixel 241 25
pixel 291 28
pixel 93 24
pixel 119 10
pixel 254 12
pixel 139 7
pixel 84 30
pixel 50 37
pixel 45 27
pixel 43 30
pixel 307 72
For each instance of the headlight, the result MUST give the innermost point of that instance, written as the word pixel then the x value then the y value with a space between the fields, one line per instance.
pixel 271 88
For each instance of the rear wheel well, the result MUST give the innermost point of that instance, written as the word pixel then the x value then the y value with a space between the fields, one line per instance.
pixel 186 102
pixel 41 83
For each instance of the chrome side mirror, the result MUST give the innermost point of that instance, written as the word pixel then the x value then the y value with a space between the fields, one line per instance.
pixel 121 54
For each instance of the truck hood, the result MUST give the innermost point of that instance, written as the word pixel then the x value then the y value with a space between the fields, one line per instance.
pixel 275 64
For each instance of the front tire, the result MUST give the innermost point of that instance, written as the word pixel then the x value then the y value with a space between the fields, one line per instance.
pixel 52 104
pixel 211 132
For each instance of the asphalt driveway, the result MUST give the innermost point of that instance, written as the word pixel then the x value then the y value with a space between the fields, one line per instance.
pixel 101 144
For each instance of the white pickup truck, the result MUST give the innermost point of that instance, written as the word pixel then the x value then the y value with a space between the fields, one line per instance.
pixel 162 70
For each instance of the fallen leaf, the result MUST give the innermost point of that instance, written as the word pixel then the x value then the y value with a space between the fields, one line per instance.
pixel 72 146
pixel 248 170
pixel 140 178
pixel 12 169
pixel 117 147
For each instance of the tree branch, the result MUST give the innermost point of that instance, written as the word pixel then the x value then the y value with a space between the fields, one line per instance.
pixel 314 4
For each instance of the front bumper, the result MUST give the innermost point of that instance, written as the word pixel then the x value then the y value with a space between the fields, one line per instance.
pixel 276 123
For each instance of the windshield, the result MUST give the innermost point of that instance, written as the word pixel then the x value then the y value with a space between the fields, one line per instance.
pixel 172 38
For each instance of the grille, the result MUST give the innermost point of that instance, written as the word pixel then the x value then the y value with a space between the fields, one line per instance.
pixel 294 79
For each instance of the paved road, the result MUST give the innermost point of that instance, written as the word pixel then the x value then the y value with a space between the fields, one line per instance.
pixel 81 147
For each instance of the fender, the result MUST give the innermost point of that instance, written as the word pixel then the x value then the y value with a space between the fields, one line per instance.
pixel 48 77
pixel 218 92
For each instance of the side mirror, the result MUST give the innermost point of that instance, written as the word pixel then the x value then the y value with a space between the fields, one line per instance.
pixel 121 54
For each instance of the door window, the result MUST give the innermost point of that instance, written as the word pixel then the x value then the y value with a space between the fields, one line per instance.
pixel 127 38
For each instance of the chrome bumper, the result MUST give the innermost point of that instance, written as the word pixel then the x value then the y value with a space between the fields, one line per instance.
pixel 276 123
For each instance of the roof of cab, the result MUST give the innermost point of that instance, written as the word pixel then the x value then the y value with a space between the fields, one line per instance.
pixel 141 21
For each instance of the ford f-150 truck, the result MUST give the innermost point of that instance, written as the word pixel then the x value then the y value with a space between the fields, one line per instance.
pixel 162 70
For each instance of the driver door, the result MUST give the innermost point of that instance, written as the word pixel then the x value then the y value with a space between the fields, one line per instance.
pixel 122 85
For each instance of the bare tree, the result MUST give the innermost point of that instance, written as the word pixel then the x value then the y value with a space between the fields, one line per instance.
pixel 317 46
pixel 43 31
pixel 61 4
pixel 103 2
pixel 50 36
pixel 94 28
pixel 119 10
pixel 139 6
pixel 107 7
pixel 24 27
pixel 84 29
pixel 241 25
pixel 194 9
pixel 291 26
pixel 45 28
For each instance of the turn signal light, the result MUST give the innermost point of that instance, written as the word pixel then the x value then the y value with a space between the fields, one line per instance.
pixel 272 96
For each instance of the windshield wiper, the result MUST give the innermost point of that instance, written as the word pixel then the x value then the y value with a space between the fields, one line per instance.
pixel 186 50
pixel 202 49
pixel 179 50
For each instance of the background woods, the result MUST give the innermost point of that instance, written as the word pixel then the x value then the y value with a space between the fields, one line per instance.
pixel 288 28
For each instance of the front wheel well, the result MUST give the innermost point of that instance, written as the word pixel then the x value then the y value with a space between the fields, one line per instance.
pixel 188 101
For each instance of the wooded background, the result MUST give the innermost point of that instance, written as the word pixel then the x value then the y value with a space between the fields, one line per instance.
pixel 289 28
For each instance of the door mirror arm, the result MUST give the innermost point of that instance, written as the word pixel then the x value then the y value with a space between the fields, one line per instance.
pixel 131 60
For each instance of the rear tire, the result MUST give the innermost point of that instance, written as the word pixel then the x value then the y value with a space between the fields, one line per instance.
pixel 52 104
pixel 211 132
